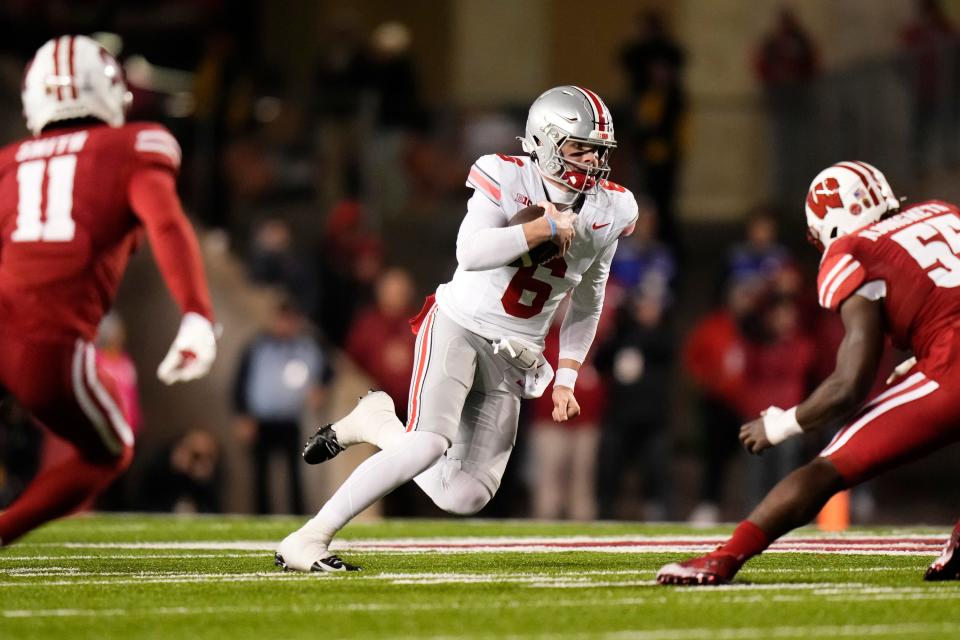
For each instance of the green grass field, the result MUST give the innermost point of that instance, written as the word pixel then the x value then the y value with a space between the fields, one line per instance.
pixel 165 577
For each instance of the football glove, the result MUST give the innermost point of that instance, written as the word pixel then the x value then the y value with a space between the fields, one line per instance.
pixel 192 353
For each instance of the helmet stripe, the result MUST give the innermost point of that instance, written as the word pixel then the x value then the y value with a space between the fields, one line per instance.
pixel 56 64
pixel 597 105
pixel 876 182
pixel 863 179
pixel 73 77
pixel 866 167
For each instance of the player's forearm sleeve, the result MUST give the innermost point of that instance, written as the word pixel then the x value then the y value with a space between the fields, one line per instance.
pixel 580 324
pixel 153 198
pixel 484 241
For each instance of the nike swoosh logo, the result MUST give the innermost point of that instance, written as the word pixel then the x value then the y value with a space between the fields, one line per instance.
pixel 600 226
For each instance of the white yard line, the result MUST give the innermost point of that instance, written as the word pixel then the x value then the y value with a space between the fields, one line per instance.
pixel 130 556
pixel 911 545
pixel 71 577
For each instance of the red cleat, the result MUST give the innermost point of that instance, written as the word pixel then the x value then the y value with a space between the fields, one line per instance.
pixel 712 569
pixel 947 566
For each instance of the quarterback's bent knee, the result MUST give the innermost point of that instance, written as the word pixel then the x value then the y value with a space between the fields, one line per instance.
pixel 465 496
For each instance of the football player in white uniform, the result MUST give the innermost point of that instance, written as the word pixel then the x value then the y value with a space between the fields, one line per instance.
pixel 480 338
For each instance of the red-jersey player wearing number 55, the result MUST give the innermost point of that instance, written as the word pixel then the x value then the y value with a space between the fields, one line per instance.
pixel 885 271
pixel 480 338
pixel 75 201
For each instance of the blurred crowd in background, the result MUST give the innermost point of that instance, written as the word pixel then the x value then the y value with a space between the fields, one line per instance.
pixel 345 196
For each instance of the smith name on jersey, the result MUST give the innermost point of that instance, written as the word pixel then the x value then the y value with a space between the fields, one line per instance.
pixel 520 301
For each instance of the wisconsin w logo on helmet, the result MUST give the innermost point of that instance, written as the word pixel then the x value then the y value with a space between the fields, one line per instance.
pixel 844 197
pixel 824 195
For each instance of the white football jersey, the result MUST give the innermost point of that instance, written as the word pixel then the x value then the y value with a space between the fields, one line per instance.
pixel 521 301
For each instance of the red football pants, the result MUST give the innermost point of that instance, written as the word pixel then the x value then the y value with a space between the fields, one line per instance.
pixel 912 418
pixel 62 387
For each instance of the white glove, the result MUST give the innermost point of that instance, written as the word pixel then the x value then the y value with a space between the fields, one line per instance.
pixel 192 353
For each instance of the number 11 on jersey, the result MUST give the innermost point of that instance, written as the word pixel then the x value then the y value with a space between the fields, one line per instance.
pixel 58 225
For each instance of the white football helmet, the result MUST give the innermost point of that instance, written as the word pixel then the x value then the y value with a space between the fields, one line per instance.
pixel 73 77
pixel 565 114
pixel 845 197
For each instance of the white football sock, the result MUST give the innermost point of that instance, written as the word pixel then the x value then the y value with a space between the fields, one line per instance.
pixel 377 476
pixel 386 433
pixel 372 421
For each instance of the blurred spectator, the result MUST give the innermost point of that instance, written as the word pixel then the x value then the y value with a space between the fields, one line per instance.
pixel 184 477
pixel 112 358
pixel 714 356
pixel 340 79
pixel 380 340
pixel 487 131
pixel 398 115
pixel 564 455
pixel 221 91
pixel 779 365
pixel 786 64
pixel 636 362
pixel 759 256
pixel 930 43
pixel 653 63
pixel 350 259
pixel 642 263
pixel 275 262
pixel 283 373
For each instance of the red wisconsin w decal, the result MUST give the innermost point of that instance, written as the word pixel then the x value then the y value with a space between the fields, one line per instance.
pixel 823 196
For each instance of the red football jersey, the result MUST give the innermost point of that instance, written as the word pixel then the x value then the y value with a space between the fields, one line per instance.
pixel 66 225
pixel 911 260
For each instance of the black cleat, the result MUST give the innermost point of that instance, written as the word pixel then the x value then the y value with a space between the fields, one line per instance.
pixel 330 564
pixel 333 564
pixel 947 566
pixel 322 446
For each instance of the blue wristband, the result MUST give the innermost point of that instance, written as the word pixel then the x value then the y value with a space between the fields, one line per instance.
pixel 553 227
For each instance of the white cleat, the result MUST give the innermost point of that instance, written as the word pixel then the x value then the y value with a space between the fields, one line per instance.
pixel 300 551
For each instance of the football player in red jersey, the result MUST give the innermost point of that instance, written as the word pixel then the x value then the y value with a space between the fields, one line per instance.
pixel 75 201
pixel 885 271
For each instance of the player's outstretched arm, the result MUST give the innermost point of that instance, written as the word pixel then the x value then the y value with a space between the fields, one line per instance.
pixel 858 359
pixel 153 198
pixel 842 393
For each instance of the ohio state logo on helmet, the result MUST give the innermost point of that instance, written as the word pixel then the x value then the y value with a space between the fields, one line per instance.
pixel 569 114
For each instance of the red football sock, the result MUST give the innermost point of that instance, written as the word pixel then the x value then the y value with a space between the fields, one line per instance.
pixel 56 492
pixel 747 541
